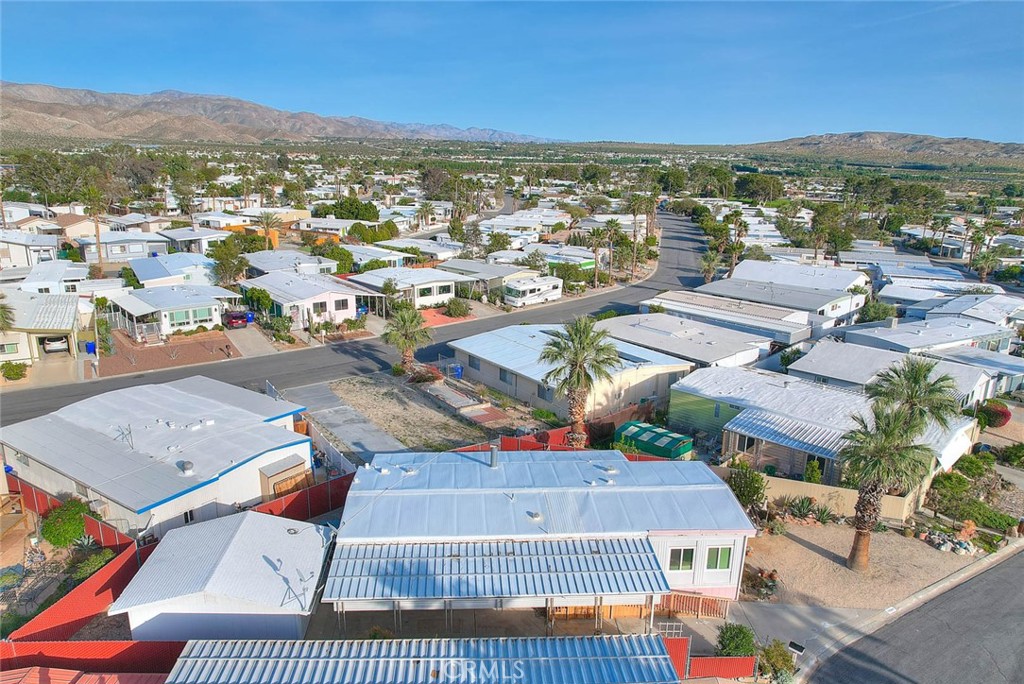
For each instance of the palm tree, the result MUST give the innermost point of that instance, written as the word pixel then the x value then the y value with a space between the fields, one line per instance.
pixel 581 355
pixel 268 221
pixel 6 314
pixel 635 205
pixel 911 387
pixel 95 205
pixel 424 213
pixel 881 455
pixel 984 263
pixel 406 333
pixel 710 262
pixel 614 229
pixel 597 239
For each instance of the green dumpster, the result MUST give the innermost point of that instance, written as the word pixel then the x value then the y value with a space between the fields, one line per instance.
pixel 654 440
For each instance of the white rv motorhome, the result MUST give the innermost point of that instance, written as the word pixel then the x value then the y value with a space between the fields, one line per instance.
pixel 534 290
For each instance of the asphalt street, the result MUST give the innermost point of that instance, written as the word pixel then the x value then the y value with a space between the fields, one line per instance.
pixel 678 267
pixel 972 633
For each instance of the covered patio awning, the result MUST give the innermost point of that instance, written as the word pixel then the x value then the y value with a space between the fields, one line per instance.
pixel 133 306
pixel 459 572
pixel 811 438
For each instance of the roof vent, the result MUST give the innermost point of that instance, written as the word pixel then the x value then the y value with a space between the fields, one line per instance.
pixel 535 516
pixel 187 468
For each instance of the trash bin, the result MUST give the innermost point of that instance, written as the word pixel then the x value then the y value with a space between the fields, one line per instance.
pixel 457 371
pixel 90 348
pixel 250 317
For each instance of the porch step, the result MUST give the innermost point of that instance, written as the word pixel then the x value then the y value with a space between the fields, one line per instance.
pixel 153 339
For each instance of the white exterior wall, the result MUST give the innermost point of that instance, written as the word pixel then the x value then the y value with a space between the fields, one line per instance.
pixel 206 616
pixel 435 298
pixel 723 583
pixel 84 229
pixel 302 313
pixel 166 327
pixel 14 255
pixel 843 308
pixel 20 355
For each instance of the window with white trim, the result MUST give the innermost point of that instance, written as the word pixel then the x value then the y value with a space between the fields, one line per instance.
pixel 444 289
pixel 180 318
pixel 190 515
pixel 319 307
pixel 9 348
pixel 474 362
pixel 204 315
pixel 341 305
pixel 719 557
pixel 680 559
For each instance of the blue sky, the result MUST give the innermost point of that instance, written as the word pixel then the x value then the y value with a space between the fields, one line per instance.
pixel 686 72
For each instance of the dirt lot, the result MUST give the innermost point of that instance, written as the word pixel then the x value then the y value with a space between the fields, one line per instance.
pixel 179 350
pixel 811 562
pixel 406 414
pixel 105 628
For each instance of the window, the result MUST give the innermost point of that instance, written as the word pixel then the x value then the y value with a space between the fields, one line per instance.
pixel 680 559
pixel 718 408
pixel 44 290
pixel 719 557
pixel 22 459
pixel 319 307
pixel 81 490
pixel 474 363
pixel 180 318
pixel 444 289
pixel 71 287
pixel 117 249
pixel 9 348
pixel 203 315
pixel 340 304
pixel 545 393
pixel 506 377
pixel 424 292
pixel 190 515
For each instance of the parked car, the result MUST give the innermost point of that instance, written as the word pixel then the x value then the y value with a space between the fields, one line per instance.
pixel 236 319
pixel 55 344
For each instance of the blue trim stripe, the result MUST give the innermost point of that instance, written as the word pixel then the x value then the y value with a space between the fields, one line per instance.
pixel 305 440
pixel 301 409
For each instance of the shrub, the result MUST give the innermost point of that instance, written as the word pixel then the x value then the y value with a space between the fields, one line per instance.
pixel 605 315
pixel 776 658
pixel 287 338
pixel 812 473
pixel 397 370
pixel 735 640
pixel 13 371
pixel 457 308
pixel 824 514
pixel 545 416
pixel 64 524
pixel 90 564
pixel 972 466
pixel 425 374
pixel 996 413
pixel 353 324
pixel 748 486
pixel 802 507
pixel 380 633
pixel 948 492
pixel 85 544
pixel 11 621
pixel 9 578
pixel 776 527
pixel 986 516
pixel 1012 455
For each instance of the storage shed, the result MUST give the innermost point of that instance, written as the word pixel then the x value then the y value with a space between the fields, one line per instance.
pixel 654 440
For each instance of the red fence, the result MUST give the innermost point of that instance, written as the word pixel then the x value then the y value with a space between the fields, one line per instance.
pixel 725 667
pixel 679 651
pixel 311 502
pixel 82 604
pixel 39 502
pixel 92 656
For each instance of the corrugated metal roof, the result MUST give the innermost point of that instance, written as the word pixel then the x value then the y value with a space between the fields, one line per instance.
pixel 494 569
pixel 826 278
pixel 687 339
pixel 789 432
pixel 408 277
pixel 251 558
pixel 916 335
pixel 620 659
pixel 39 312
pixel 776 294
pixel 270 260
pixel 285 287
pixel 39 675
pixel 574 497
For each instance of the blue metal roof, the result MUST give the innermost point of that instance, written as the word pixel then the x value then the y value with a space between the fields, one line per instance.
pixel 497 569
pixel 620 659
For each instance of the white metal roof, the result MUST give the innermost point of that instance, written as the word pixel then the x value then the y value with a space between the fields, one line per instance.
pixel 408 277
pixel 166 297
pixel 481 270
pixel 39 312
pixel 22 237
pixel 250 558
pixel 285 287
pixel 990 308
pixel 776 294
pixel 129 444
pixel 569 497
pixel 56 270
pixel 270 260
pixel 494 569
pixel 818 440
pixel 924 334
pixel 993 362
pixel 117 236
pixel 619 659
pixel 192 233
pixel 831 278
pixel 518 347
pixel 687 339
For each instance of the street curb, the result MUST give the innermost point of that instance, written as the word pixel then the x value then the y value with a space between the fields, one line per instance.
pixel 916 600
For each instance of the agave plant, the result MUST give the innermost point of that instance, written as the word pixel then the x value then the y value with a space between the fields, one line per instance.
pixel 85 544
pixel 802 507
pixel 824 514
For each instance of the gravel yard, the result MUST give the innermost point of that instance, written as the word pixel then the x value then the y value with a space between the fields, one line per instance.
pixel 407 414
pixel 811 562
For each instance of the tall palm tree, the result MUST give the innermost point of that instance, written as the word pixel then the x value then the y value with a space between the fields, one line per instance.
pixel 710 262
pixel 635 205
pixel 581 355
pixel 6 314
pixel 424 213
pixel 95 205
pixel 614 231
pixel 984 263
pixel 881 455
pixel 910 386
pixel 268 221
pixel 406 333
pixel 597 240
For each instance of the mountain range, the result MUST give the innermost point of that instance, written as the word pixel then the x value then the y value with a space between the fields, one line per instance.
pixel 45 111
pixel 173 116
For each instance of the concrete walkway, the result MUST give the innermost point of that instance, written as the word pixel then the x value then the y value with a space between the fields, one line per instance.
pixel 250 342
pixel 350 426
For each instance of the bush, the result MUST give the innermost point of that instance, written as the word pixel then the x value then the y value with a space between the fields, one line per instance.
pixel 457 308
pixel 986 516
pixel 997 414
pixel 1012 455
pixel 353 324
pixel 11 622
pixel 776 527
pixel 13 371
pixel 605 315
pixel 545 416
pixel 776 658
pixel 972 466
pixel 287 338
pixel 64 524
pixel 397 370
pixel 748 486
pixel 735 640
pixel 90 564
pixel 948 492
pixel 812 472
pixel 425 374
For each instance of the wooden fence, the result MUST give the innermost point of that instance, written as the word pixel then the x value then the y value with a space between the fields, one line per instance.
pixel 697 605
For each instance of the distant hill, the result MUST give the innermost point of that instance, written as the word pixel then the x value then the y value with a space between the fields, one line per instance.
pixel 173 116
pixel 895 147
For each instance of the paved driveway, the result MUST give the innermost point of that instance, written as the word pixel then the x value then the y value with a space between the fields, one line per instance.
pixel 250 342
